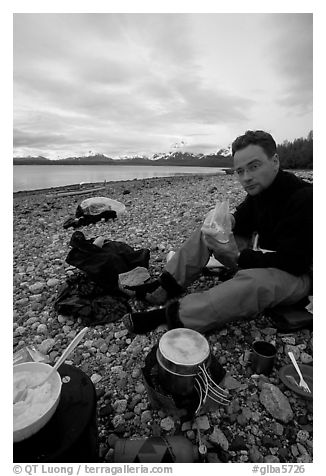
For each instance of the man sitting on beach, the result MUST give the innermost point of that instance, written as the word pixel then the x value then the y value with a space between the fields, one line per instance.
pixel 278 207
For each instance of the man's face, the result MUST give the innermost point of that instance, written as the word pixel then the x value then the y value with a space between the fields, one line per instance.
pixel 255 170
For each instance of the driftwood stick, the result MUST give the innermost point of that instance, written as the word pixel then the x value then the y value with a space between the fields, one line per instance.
pixel 78 192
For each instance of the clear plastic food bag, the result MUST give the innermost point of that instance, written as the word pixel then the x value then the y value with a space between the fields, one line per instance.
pixel 218 222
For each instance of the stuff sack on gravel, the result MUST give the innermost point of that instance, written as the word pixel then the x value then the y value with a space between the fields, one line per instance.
pixel 82 298
pixel 94 209
pixel 97 205
pixel 104 264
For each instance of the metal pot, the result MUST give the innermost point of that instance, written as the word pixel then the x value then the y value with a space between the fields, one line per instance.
pixel 180 354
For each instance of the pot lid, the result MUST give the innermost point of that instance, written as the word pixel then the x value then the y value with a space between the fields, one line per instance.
pixel 184 346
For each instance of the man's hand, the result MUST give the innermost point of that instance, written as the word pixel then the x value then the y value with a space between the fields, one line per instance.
pixel 226 253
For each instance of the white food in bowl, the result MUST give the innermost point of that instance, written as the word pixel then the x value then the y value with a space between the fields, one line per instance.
pixel 40 403
pixel 37 400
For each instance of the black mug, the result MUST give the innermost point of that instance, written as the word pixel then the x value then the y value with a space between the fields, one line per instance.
pixel 262 357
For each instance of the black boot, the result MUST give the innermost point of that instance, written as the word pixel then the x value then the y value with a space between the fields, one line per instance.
pixel 142 289
pixel 142 322
pixel 172 315
pixel 168 289
pixel 159 291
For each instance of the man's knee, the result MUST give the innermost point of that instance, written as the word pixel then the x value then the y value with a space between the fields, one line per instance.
pixel 272 286
pixel 252 274
pixel 258 281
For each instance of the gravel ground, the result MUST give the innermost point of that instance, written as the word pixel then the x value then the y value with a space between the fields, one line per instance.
pixel 265 421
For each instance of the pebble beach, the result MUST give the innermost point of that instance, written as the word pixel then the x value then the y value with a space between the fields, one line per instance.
pixel 265 421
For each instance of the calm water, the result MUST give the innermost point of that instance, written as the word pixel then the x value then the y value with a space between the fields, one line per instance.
pixel 33 177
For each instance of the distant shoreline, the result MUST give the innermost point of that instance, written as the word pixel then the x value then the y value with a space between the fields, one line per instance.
pixel 89 185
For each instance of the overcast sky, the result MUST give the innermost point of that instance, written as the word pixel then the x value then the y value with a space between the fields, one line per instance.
pixel 123 84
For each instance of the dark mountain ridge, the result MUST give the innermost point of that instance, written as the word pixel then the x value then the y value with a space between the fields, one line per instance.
pixel 174 159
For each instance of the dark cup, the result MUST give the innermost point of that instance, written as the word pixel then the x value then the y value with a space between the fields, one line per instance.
pixel 262 357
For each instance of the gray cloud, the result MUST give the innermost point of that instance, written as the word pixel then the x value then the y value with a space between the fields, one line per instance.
pixel 130 82
pixel 37 139
pixel 291 54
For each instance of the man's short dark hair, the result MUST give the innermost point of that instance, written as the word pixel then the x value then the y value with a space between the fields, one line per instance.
pixel 262 138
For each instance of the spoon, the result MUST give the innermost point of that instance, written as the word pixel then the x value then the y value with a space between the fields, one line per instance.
pixel 21 394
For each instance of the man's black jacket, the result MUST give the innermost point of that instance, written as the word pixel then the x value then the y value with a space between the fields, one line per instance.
pixel 282 215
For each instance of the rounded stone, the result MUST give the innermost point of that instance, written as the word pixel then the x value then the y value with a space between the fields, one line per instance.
pixel 20 330
pixel 306 358
pixel 42 329
pixel 103 348
pixel 118 420
pixel 140 388
pixel 30 321
pixel 52 282
pixel 139 407
pixel 120 406
pixel 36 288
pixel 271 459
pixel 167 423
pixel 302 436
pixel 278 429
pixel 304 459
pixel 276 403
pixel 136 373
pixel 219 438
pixel 292 348
pixel 146 416
pixel 38 339
pixel 72 334
pixel 46 345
